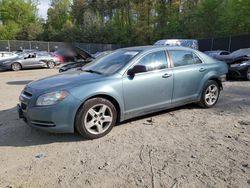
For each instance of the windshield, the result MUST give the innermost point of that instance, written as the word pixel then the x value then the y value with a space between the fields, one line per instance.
pixel 111 63
pixel 21 54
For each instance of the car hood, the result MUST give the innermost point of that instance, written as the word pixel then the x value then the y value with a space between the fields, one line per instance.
pixel 82 53
pixel 9 60
pixel 64 80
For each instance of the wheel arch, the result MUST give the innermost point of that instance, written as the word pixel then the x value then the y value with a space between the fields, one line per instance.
pixel 107 97
pixel 214 78
pixel 16 62
pixel 217 80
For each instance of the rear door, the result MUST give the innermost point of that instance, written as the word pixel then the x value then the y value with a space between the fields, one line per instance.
pixel 188 72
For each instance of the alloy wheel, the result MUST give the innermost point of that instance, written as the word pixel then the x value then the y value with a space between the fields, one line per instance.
pixel 211 94
pixel 98 119
pixel 16 67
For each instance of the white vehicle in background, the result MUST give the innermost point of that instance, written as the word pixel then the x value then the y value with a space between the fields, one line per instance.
pixel 190 43
pixel 7 55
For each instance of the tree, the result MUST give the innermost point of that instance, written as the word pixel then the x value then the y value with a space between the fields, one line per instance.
pixel 236 18
pixel 58 15
pixel 19 18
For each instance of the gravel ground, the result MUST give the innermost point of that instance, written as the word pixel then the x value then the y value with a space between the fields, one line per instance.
pixel 182 147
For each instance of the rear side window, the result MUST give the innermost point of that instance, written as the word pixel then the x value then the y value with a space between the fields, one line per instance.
pixel 154 61
pixel 183 58
pixel 224 53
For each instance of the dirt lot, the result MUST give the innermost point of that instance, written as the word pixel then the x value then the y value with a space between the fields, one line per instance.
pixel 183 147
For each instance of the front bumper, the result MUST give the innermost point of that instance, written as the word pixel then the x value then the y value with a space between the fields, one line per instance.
pixel 4 67
pixel 237 72
pixel 58 118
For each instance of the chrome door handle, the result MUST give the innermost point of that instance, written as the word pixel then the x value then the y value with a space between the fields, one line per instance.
pixel 202 69
pixel 166 75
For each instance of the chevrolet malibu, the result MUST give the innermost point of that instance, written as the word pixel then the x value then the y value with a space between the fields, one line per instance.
pixel 127 83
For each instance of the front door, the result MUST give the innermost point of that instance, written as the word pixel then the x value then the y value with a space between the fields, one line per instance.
pixel 150 90
pixel 30 61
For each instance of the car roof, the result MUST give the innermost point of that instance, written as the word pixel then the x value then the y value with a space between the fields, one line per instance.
pixel 147 48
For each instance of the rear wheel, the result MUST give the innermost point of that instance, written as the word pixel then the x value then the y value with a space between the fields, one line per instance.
pixel 96 118
pixel 16 67
pixel 51 64
pixel 248 74
pixel 210 94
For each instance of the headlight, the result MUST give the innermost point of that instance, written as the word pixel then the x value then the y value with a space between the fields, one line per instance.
pixel 51 98
pixel 243 64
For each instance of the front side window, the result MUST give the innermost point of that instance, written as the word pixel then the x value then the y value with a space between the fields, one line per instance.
pixel 154 61
pixel 183 58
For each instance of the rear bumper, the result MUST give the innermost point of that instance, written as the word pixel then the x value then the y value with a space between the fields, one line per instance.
pixel 223 78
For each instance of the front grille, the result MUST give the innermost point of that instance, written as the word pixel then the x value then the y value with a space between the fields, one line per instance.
pixel 23 106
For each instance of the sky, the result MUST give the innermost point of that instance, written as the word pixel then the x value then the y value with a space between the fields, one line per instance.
pixel 42 8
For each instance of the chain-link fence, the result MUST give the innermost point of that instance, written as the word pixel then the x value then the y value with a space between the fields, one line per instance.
pixel 14 45
pixel 230 43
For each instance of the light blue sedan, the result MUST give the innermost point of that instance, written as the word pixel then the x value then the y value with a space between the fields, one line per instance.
pixel 127 83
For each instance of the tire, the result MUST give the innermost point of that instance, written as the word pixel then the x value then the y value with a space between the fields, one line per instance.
pixel 248 74
pixel 51 64
pixel 95 118
pixel 16 67
pixel 210 94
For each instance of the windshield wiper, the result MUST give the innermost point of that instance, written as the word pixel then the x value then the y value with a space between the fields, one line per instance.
pixel 92 71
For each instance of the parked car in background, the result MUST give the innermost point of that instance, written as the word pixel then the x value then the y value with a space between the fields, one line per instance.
pixel 238 63
pixel 124 84
pixel 30 60
pixel 7 55
pixel 72 54
pixel 190 43
pixel 240 70
pixel 26 51
pixel 80 63
pixel 217 53
pixel 61 59
pixel 77 65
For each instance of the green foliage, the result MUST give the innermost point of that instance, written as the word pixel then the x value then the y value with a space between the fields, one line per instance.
pixel 237 17
pixel 9 30
pixel 19 20
pixel 128 22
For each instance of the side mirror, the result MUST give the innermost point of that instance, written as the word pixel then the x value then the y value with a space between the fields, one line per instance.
pixel 136 69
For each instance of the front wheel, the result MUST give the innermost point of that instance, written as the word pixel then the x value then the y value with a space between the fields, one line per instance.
pixel 96 118
pixel 210 94
pixel 16 67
